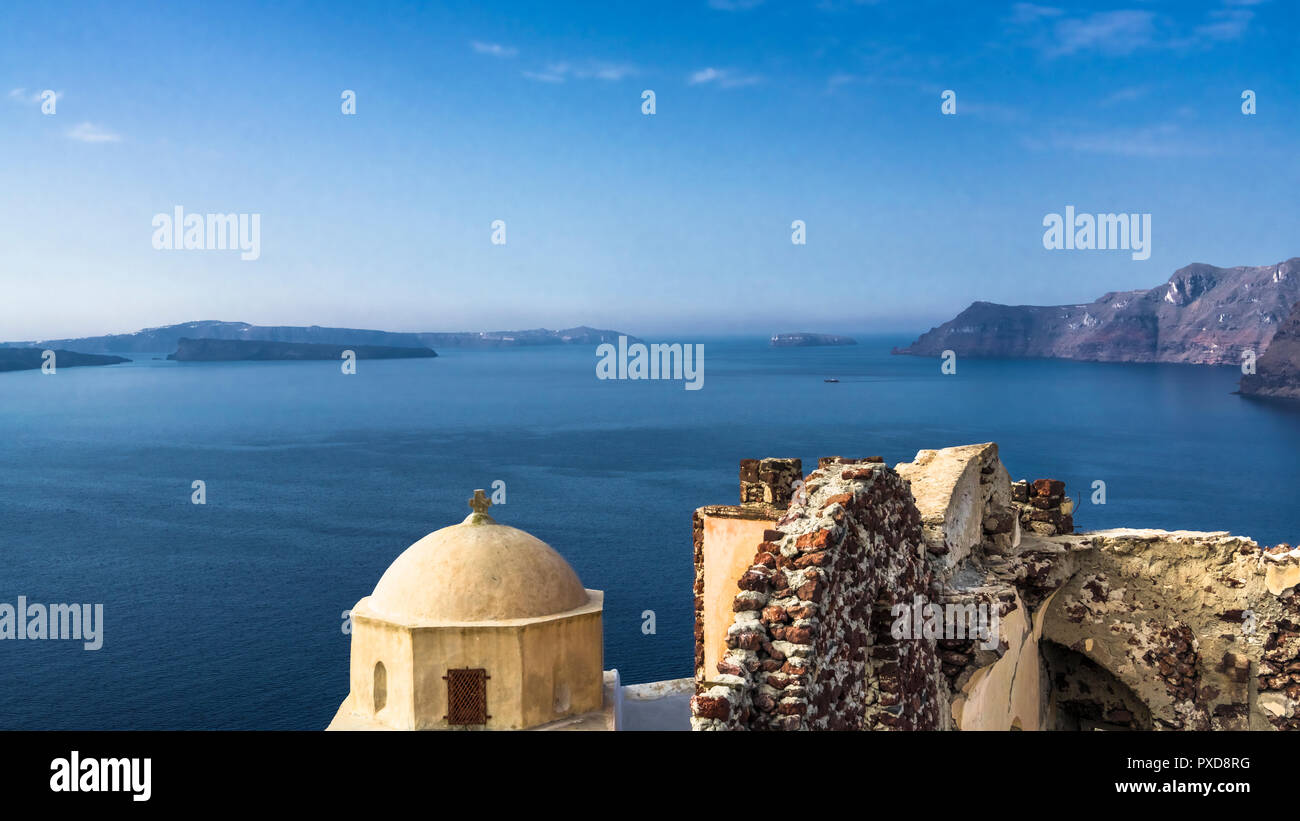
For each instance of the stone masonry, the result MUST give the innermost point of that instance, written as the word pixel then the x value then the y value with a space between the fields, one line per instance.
pixel 805 649
pixel 1117 629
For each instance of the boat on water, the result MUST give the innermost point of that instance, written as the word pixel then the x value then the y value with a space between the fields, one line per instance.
pixel 832 379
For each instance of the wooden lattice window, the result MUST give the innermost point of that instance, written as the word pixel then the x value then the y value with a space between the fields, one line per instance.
pixel 467 696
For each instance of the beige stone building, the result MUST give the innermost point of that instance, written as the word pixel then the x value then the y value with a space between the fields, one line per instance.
pixel 479 626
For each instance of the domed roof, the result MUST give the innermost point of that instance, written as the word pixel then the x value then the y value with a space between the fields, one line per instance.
pixel 475 571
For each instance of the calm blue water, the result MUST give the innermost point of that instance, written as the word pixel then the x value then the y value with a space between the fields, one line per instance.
pixel 228 615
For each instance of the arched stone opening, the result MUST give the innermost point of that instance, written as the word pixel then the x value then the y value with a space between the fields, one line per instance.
pixel 1083 695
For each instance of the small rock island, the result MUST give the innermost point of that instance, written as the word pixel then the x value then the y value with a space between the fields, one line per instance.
pixel 235 350
pixel 806 340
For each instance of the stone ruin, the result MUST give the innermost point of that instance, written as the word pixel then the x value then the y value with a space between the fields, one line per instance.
pixel 799 590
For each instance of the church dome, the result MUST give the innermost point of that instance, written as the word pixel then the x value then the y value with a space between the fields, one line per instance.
pixel 477 571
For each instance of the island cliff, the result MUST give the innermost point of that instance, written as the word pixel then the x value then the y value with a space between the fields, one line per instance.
pixel 228 350
pixel 1201 315
pixel 1277 372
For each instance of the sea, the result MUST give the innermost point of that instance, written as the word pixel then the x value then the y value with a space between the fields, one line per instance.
pixel 230 614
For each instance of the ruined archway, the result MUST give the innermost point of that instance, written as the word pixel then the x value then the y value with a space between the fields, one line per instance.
pixel 1114 629
pixel 1083 695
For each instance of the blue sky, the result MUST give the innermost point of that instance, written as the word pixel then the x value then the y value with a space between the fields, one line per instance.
pixel 670 224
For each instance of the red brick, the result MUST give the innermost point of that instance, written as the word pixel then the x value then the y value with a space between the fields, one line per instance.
pixel 818 539
pixel 710 707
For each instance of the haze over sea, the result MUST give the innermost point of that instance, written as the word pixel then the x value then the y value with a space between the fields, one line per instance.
pixel 228 615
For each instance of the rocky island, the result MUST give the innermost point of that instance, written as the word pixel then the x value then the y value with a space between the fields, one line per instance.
pixel 230 350
pixel 166 337
pixel 1277 371
pixel 582 335
pixel 806 340
pixel 1201 315
pixel 27 359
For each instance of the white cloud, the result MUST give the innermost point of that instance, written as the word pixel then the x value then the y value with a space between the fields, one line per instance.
pixel 1226 24
pixel 554 73
pixel 591 70
pixel 91 133
pixel 843 78
pixel 1123 31
pixel 20 95
pixel 1153 141
pixel 993 112
pixel 843 5
pixel 1110 32
pixel 722 78
pixel 610 71
pixel 1024 13
pixel 1128 94
pixel 493 49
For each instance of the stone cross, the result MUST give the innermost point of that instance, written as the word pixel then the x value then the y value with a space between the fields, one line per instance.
pixel 480 503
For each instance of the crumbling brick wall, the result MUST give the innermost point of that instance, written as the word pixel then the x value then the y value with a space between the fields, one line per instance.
pixel 769 481
pixel 1279 670
pixel 1279 665
pixel 809 647
pixel 1043 507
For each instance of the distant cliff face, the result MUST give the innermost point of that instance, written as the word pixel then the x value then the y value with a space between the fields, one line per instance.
pixel 230 350
pixel 1277 371
pixel 803 340
pixel 1203 315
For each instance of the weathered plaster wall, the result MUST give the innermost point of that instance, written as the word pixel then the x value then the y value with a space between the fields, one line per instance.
pixel 1009 693
pixel 728 551
pixel 540 669
pixel 724 537
pixel 1187 621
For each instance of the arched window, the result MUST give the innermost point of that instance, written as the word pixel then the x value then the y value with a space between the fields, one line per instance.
pixel 381 686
